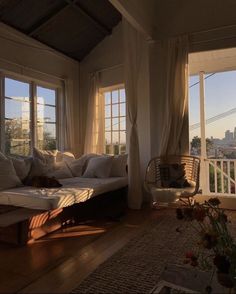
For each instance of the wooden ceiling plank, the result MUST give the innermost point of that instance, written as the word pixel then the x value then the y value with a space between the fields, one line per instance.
pixel 44 21
pixel 98 24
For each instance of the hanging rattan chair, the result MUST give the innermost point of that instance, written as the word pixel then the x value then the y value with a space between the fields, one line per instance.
pixel 155 179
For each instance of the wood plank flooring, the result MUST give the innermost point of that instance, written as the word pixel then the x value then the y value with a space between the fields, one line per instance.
pixel 60 261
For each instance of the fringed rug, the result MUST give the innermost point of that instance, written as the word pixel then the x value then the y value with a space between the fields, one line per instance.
pixel 137 267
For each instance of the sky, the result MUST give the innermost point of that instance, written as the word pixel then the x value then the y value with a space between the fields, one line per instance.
pixel 220 96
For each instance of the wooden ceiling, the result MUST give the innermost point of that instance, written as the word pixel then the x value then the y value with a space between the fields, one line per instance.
pixel 73 27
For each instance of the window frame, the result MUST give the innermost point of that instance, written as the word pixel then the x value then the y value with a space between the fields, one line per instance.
pixel 33 83
pixel 102 92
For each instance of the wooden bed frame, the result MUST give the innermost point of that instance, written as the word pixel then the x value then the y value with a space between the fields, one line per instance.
pixel 20 225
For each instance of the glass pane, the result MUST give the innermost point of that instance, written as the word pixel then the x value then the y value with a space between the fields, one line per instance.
pixel 115 124
pixel 122 95
pixel 46 113
pixel 46 96
pixel 115 110
pixel 122 109
pixel 115 96
pixel 194 116
pixel 108 124
pixel 108 137
pixel 17 127
pixel 108 149
pixel 220 89
pixel 16 89
pixel 108 111
pixel 122 123
pixel 122 149
pixel 122 137
pixel 46 135
pixel 115 137
pixel 107 97
pixel 116 149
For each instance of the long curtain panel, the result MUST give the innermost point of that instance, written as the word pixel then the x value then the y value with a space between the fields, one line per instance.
pixel 95 138
pixel 174 138
pixel 66 121
pixel 132 63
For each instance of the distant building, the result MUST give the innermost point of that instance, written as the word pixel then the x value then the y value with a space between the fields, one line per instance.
pixel 229 136
pixel 235 134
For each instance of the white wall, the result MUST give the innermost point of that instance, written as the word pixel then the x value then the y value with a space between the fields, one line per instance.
pixel 22 55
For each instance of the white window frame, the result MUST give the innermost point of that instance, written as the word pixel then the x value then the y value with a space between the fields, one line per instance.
pixel 102 92
pixel 33 83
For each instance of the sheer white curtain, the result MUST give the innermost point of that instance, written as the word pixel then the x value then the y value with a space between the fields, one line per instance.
pixel 132 63
pixel 67 122
pixel 174 97
pixel 95 137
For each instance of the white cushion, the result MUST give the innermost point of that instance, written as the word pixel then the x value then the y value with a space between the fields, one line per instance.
pixel 118 168
pixel 43 162
pixel 60 171
pixel 8 177
pixel 99 167
pixel 65 156
pixel 46 156
pixel 39 168
pixel 22 166
pixel 169 195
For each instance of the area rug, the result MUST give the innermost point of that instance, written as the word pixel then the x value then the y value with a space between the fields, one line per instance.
pixel 137 267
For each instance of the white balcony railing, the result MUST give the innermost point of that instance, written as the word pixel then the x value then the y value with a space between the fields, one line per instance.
pixel 218 177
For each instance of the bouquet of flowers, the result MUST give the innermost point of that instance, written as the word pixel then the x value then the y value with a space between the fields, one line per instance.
pixel 216 246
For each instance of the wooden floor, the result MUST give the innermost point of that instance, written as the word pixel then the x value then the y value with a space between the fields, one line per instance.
pixel 60 261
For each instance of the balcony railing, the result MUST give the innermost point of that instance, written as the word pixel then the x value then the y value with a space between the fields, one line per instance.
pixel 218 177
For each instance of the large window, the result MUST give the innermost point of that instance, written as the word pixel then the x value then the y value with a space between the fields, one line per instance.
pixel 219 108
pixel 115 121
pixel 29 111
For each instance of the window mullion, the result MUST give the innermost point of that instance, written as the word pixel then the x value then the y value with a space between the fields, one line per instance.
pixel 2 113
pixel 33 109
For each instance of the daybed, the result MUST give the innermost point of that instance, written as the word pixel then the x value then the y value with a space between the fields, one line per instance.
pixel 27 213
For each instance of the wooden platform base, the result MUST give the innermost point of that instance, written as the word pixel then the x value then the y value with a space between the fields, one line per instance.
pixel 20 226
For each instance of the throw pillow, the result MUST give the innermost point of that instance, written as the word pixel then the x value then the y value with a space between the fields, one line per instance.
pixel 77 166
pixel 8 177
pixel 46 156
pixel 119 164
pixel 39 168
pixel 65 156
pixel 60 171
pixel 22 166
pixel 173 175
pixel 99 167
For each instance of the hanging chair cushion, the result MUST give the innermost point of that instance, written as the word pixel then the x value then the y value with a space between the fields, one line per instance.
pixel 169 195
pixel 173 175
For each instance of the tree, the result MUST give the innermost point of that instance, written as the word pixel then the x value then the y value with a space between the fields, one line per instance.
pixel 196 144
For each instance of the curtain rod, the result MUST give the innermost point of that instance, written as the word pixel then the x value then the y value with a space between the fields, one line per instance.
pixel 22 67
pixel 193 34
pixel 107 68
pixel 212 40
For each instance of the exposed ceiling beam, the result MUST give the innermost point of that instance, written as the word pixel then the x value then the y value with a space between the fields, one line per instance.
pixel 45 20
pixel 85 13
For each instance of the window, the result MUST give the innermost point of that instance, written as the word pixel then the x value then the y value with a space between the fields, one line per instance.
pixel 29 116
pixel 115 121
